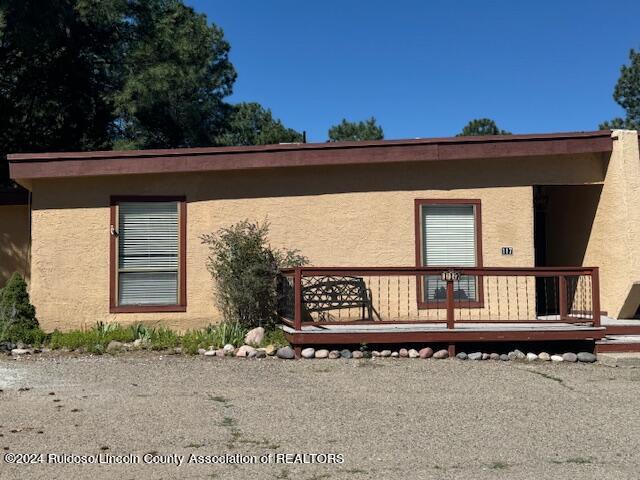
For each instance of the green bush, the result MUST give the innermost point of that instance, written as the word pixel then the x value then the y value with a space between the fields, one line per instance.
pixel 29 336
pixel 244 268
pixel 17 315
pixel 15 307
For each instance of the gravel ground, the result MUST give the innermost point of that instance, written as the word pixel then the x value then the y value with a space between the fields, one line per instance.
pixel 386 418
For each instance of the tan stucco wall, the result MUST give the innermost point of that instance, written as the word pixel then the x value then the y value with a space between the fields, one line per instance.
pixel 337 216
pixel 14 241
pixel 614 244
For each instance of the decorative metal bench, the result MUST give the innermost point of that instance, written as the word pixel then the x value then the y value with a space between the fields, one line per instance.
pixel 321 295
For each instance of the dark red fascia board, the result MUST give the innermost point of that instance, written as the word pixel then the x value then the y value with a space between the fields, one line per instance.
pixel 70 164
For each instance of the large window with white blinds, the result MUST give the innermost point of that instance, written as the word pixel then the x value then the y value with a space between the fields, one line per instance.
pixel 148 240
pixel 449 239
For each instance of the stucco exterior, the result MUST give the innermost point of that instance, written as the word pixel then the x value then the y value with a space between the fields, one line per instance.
pixel 613 243
pixel 335 216
pixel 338 215
pixel 14 241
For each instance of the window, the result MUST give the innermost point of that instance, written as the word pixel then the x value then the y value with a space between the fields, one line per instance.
pixel 147 254
pixel 448 233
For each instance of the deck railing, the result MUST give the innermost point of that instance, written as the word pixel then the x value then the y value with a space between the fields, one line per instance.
pixel 336 295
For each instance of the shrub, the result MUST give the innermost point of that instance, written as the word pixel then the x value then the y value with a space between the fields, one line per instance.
pixel 244 268
pixel 15 306
pixel 29 336
pixel 17 315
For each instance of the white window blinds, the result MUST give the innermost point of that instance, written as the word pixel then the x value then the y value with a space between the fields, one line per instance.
pixel 148 246
pixel 449 239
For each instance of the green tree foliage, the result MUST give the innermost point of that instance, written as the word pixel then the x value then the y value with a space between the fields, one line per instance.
pixel 627 95
pixel 356 131
pixel 482 126
pixel 244 268
pixel 252 124
pixel 16 310
pixel 101 74
pixel 58 72
pixel 176 73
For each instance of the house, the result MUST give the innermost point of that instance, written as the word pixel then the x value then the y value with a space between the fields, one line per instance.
pixel 115 236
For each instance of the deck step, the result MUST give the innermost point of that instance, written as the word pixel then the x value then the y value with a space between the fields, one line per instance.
pixel 619 343
pixel 624 329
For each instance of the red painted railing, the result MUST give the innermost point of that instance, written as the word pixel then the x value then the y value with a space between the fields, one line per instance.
pixel 338 295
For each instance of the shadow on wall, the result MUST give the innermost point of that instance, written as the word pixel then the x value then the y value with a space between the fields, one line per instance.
pixel 90 192
pixel 13 256
pixel 570 212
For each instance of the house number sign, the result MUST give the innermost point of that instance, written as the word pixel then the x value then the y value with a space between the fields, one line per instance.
pixel 507 250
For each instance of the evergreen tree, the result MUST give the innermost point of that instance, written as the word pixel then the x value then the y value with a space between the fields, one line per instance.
pixel 356 131
pixel 16 310
pixel 251 124
pixel 176 74
pixel 482 126
pixel 627 95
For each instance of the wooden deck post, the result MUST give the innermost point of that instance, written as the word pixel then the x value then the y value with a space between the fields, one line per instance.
pixel 297 291
pixel 450 305
pixel 562 296
pixel 595 296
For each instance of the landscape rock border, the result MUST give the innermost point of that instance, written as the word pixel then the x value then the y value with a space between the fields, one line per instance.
pixel 309 353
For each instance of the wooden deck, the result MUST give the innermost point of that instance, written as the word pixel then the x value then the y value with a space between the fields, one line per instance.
pixel 438 305
pixel 439 333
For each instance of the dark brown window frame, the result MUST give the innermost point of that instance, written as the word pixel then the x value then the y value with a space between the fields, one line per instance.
pixel 418 203
pixel 182 256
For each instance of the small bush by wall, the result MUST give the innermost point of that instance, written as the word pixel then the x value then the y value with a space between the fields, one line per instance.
pixel 244 268
pixel 17 315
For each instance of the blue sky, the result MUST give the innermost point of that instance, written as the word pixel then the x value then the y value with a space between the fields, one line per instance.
pixel 425 68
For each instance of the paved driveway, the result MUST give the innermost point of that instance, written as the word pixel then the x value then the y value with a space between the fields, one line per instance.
pixel 363 419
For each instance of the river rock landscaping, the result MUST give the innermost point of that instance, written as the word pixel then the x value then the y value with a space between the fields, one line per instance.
pixel 309 353
pixel 288 353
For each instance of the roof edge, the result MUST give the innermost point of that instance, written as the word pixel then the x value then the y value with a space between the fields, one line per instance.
pixel 82 164
pixel 197 151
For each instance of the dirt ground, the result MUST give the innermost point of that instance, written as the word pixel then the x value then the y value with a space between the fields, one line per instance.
pixel 363 419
